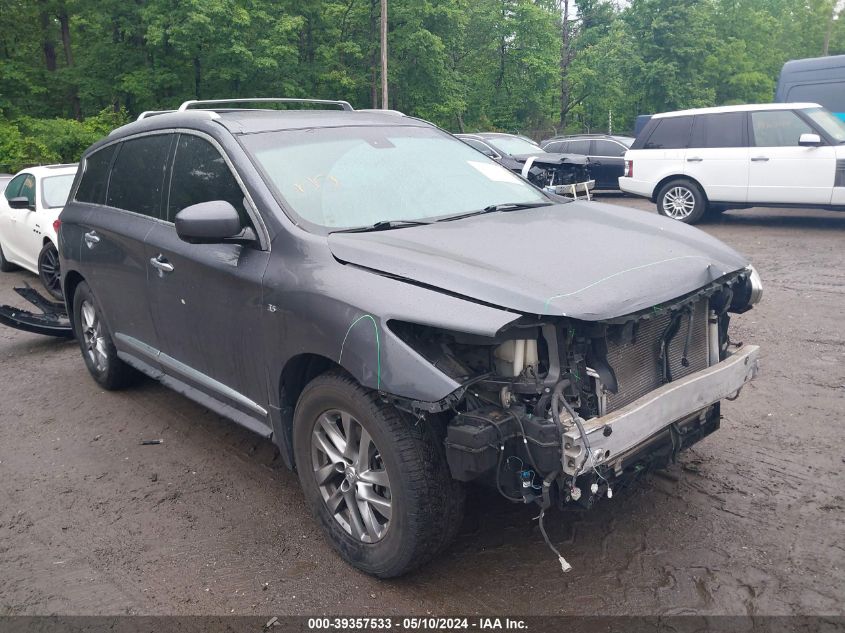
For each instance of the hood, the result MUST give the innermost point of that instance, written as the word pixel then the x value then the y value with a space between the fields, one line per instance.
pixel 583 260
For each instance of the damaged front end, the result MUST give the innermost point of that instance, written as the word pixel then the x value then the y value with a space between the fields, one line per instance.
pixel 561 174
pixel 558 410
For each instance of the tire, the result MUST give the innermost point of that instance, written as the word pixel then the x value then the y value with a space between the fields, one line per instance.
pixel 49 271
pixel 5 265
pixel 403 466
pixel 96 344
pixel 682 200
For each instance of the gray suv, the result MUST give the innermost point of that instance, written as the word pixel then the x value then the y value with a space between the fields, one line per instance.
pixel 398 313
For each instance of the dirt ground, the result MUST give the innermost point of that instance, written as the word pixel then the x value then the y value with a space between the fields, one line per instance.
pixel 752 521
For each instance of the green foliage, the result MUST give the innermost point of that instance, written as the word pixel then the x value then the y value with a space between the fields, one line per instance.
pixel 67 66
pixel 29 141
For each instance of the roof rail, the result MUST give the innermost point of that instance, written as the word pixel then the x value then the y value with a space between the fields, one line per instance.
pixel 148 113
pixel 188 105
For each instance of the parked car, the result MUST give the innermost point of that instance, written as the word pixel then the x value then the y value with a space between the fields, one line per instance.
pixel 29 209
pixel 775 154
pixel 399 313
pixel 606 154
pixel 4 180
pixel 525 157
pixel 817 80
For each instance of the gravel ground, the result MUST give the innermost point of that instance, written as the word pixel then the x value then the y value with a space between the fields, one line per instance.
pixel 749 522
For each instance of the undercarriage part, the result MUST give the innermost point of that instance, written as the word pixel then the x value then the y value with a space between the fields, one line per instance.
pixel 53 320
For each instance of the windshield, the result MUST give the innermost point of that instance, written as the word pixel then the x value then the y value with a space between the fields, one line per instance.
pixel 828 122
pixel 55 190
pixel 357 176
pixel 515 145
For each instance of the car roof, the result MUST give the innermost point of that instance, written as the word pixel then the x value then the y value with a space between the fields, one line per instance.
pixel 252 121
pixel 737 108
pixel 572 137
pixel 51 170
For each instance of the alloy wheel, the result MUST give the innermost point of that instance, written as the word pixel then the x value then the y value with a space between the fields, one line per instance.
pixel 678 203
pixel 351 476
pixel 92 334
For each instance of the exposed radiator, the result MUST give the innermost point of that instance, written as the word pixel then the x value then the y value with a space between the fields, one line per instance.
pixel 637 364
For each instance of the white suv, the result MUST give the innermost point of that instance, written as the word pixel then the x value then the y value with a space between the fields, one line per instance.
pixel 29 215
pixel 711 159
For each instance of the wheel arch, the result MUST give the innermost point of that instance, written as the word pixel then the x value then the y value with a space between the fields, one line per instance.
pixel 71 282
pixel 297 372
pixel 668 179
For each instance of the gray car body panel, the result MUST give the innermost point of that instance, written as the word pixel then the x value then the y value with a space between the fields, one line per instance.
pixel 333 297
pixel 583 260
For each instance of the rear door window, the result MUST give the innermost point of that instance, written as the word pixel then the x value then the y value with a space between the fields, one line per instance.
pixel 670 133
pixel 778 128
pixel 608 148
pixel 579 147
pixel 137 176
pixel 200 174
pixel 719 130
pixel 95 179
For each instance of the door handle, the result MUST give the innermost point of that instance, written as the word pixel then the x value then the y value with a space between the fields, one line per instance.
pixel 694 159
pixel 92 239
pixel 760 159
pixel 162 265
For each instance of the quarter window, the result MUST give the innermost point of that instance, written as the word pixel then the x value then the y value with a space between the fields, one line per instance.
pixel 670 133
pixel 95 180
pixel 778 128
pixel 200 174
pixel 557 148
pixel 718 130
pixel 137 176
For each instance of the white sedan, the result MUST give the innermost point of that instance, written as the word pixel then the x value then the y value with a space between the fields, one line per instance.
pixel 29 219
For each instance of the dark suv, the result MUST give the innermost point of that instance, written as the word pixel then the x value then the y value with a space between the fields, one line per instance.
pixel 399 313
pixel 606 154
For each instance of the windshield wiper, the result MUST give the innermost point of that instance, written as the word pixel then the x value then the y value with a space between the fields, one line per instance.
pixel 383 225
pixel 502 206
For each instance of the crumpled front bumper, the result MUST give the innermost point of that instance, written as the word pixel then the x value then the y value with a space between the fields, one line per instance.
pixel 616 434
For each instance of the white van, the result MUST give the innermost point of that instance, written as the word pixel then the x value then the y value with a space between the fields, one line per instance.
pixel 710 159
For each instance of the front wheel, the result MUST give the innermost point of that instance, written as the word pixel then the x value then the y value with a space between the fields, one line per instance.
pixel 377 482
pixel 682 200
pixel 49 271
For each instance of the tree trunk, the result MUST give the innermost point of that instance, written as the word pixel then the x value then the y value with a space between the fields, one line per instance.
pixel 197 76
pixel 47 44
pixel 373 55
pixel 830 22
pixel 64 22
pixel 565 59
pixel 384 102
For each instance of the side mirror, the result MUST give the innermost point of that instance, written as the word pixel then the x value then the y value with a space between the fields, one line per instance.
pixel 210 222
pixel 809 140
pixel 21 202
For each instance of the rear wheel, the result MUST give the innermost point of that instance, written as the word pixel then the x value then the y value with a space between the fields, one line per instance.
pixel 49 271
pixel 377 482
pixel 96 344
pixel 682 200
pixel 5 265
